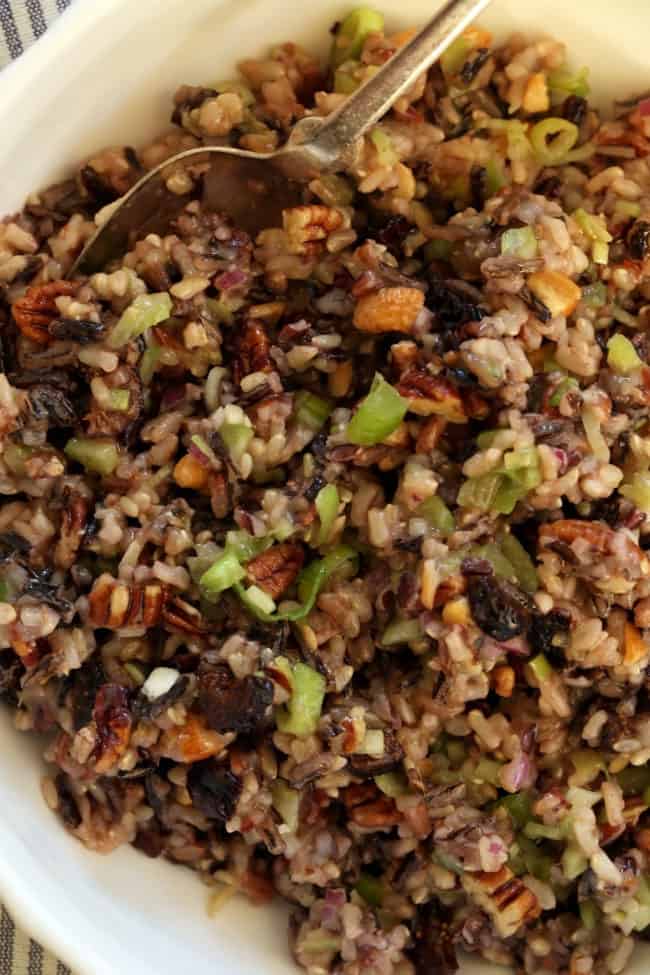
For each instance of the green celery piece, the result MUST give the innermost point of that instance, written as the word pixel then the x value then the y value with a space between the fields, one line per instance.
pixel 401 631
pixel 435 511
pixel 302 712
pixel 96 455
pixel 519 806
pixel 222 575
pixel 378 415
pixel 327 508
pixel 286 801
pixel 144 312
pixel 352 33
pixel 371 889
pixel 520 560
pixel 519 242
pixel 622 357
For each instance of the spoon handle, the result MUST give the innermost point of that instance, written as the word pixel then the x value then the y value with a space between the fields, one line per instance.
pixel 326 147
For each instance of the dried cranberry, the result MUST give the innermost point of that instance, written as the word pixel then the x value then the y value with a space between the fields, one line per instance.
pixel 574 109
pixel 214 790
pixel 233 705
pixel 638 239
pixel 434 952
pixel 87 682
pixel 549 634
pixel 498 607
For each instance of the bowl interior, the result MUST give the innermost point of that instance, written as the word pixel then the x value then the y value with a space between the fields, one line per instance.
pixel 105 74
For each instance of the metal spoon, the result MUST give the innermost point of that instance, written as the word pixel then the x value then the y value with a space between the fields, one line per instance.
pixel 254 188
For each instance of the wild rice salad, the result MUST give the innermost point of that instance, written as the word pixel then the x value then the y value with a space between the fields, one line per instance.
pixel 324 555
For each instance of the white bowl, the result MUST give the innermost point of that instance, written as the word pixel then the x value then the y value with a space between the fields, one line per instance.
pixel 105 73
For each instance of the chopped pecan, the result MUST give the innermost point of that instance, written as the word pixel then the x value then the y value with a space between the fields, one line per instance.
pixel 74 516
pixel 429 434
pixel 306 225
pixel 388 310
pixel 367 766
pixel 34 312
pixel 380 814
pixel 108 422
pixel 429 394
pixel 252 353
pixel 275 570
pixel 180 615
pixel 113 726
pixel 113 604
pixel 220 500
pixel 504 897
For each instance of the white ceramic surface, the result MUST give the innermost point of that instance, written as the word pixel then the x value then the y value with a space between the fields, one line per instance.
pixel 105 73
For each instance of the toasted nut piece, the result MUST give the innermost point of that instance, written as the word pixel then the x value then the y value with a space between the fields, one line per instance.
pixel 536 97
pixel 340 380
pixel 181 615
pixel 404 354
pixel 504 897
pixel 388 310
pixel 113 604
pixel 557 291
pixel 380 814
pixel 305 225
pixel 642 839
pixel 37 308
pixel 113 727
pixel 252 351
pixel 635 648
pixel 193 742
pixel 275 570
pixel 400 437
pixel 189 473
pixel 429 394
pixel 74 517
pixel 457 611
pixel 503 680
pixel 600 537
pixel 429 434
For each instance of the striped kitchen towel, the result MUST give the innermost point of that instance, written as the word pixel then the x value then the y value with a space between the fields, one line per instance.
pixel 23 21
pixel 19 955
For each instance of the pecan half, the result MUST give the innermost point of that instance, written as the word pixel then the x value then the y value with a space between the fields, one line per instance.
pixel 252 351
pixel 113 726
pixel 306 225
pixel 275 570
pixel 388 310
pixel 34 312
pixel 180 615
pixel 74 516
pixel 113 604
pixel 429 394
pixel 380 814
pixel 504 897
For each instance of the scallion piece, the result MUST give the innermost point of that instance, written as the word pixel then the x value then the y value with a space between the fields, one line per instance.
pixel 371 889
pixel 312 411
pixel 378 415
pixel 552 139
pixel 144 312
pixel 302 712
pixel 327 508
pixel 98 456
pixel 435 511
pixel 622 357
pixel 519 242
pixel 352 33
pixel 222 575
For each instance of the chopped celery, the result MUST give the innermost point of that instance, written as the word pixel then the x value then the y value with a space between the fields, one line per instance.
pixel 516 134
pixel 327 507
pixel 486 770
pixel 393 784
pixel 378 415
pixel 520 242
pixel 519 807
pixel 562 388
pixel 486 438
pixel 637 490
pixel 149 362
pixel 310 582
pixel 302 712
pixel 594 226
pixel 480 492
pixel 312 411
pixel 622 356
pixel 540 667
pixel 538 831
pixel 595 295
pixel 634 779
pixel 588 765
pixel 552 139
pixel 236 437
pixel 118 400
pixel 320 942
pixel 222 575
pixel 384 147
pixel 565 82
pixel 512 489
pixel 286 802
pixel 401 631
pixel 494 176
pixel 452 60
pixel 352 32
pixel 244 546
pixel 371 889
pixel 144 312
pixel 600 252
pixel 535 861
pixel 589 914
pixel 438 250
pixel 344 80
pixel 493 554
pixel 520 560
pixel 98 456
pixel 257 599
pixel 435 511
pixel 515 460
pixel 574 862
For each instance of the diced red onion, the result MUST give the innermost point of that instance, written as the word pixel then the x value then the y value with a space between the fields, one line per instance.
pixel 518 774
pixel 172 396
pixel 199 455
pixel 230 279
pixel 643 107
